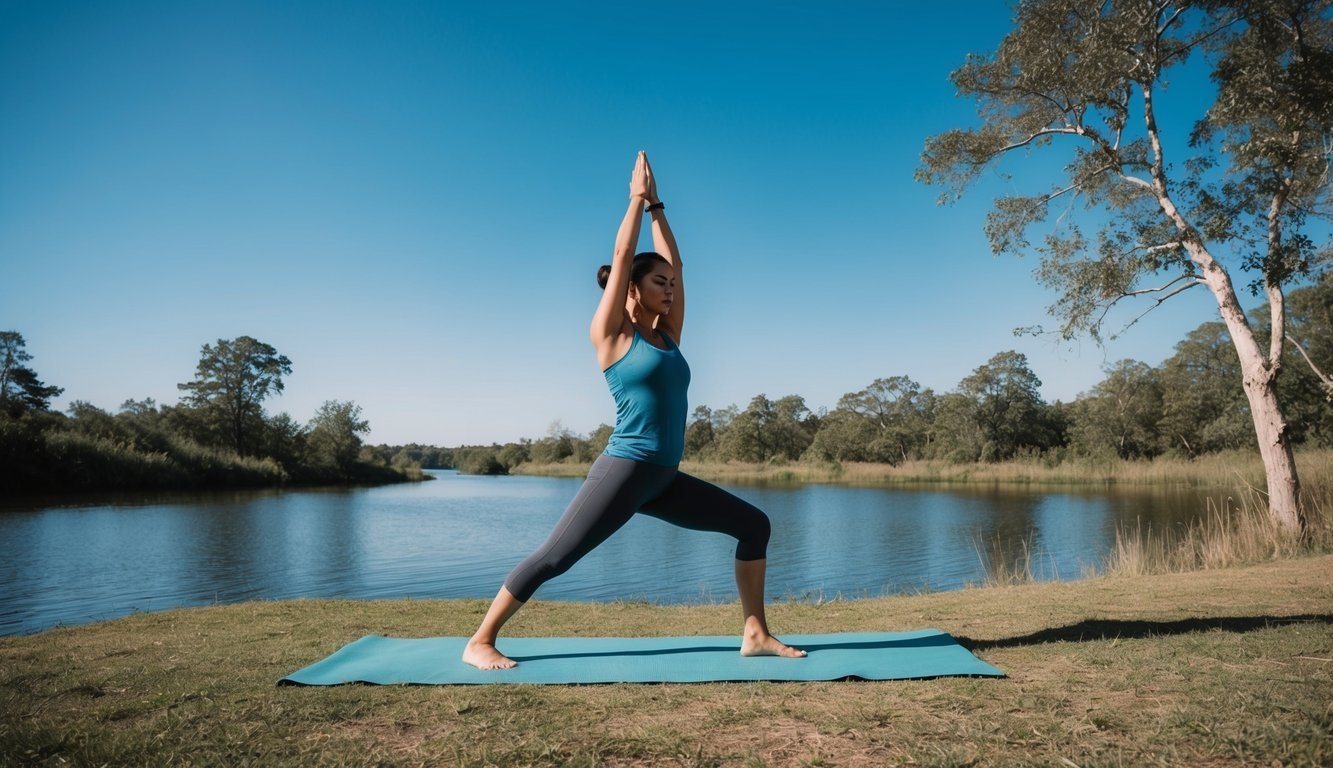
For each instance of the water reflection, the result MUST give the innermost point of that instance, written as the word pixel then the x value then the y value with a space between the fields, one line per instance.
pixel 90 559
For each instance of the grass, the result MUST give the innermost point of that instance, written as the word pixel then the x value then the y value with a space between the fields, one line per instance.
pixel 1218 667
pixel 1218 470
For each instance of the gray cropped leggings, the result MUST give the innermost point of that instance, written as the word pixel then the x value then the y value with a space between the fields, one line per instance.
pixel 617 488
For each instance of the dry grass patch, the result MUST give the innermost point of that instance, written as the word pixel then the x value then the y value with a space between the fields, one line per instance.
pixel 1224 470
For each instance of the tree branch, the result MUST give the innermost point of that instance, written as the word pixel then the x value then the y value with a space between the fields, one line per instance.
pixel 1156 248
pixel 1324 379
pixel 1159 289
pixel 1158 303
pixel 1161 30
pixel 1034 137
pixel 1272 286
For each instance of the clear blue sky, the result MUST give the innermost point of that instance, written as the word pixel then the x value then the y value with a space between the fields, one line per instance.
pixel 410 200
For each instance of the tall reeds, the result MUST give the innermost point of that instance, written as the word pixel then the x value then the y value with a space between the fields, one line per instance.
pixel 1236 530
pixel 1219 470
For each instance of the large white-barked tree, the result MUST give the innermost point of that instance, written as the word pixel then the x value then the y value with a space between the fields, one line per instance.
pixel 1086 77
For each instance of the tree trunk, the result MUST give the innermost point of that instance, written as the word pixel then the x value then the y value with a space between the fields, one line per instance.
pixel 1260 384
pixel 1284 487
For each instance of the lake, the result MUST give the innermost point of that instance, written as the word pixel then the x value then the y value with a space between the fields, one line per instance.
pixel 78 561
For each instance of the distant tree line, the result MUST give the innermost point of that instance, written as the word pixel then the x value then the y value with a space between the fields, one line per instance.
pixel 1191 404
pixel 219 435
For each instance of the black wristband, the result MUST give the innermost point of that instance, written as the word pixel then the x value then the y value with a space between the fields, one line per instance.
pixel 657 206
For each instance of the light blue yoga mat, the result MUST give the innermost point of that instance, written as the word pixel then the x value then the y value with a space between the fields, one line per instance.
pixel 563 660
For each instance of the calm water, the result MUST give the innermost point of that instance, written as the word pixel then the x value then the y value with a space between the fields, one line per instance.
pixel 460 535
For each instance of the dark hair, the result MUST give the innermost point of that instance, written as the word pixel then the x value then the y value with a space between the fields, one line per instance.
pixel 643 264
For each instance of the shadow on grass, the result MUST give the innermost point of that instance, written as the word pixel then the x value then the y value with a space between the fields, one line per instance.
pixel 1109 629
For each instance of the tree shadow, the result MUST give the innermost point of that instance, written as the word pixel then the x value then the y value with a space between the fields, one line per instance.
pixel 1109 629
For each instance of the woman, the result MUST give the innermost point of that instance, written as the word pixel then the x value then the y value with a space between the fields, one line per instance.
pixel 635 331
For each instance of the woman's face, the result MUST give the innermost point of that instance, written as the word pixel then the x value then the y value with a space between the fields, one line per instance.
pixel 657 289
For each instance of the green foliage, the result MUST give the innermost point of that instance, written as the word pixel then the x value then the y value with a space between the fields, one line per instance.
pixel 428 456
pixel 596 442
pixel 1084 76
pixel 1271 119
pixel 1120 415
pixel 557 446
pixel 145 446
pixel 230 384
pixel 1305 387
pixel 995 413
pixel 1189 406
pixel 333 440
pixel 700 436
pixel 898 414
pixel 769 431
pixel 284 439
pixel 843 436
pixel 1204 407
pixel 20 389
pixel 23 450
pixel 479 460
pixel 513 454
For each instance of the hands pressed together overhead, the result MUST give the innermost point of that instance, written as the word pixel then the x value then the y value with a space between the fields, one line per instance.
pixel 642 184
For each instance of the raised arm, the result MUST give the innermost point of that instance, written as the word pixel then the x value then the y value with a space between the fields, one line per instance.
pixel 664 242
pixel 610 326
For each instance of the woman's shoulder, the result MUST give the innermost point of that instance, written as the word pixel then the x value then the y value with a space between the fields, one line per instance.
pixel 613 348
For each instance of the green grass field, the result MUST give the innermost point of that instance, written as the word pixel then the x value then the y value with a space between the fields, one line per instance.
pixel 1229 666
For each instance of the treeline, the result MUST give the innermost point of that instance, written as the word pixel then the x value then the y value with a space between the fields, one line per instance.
pixel 218 436
pixel 1191 404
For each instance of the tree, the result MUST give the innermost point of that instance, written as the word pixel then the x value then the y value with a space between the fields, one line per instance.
pixel 513 454
pixel 792 427
pixel 1310 314
pixel 597 440
pixel 479 460
pixel 958 434
pixel 1306 386
pixel 744 438
pixel 1203 406
pixel 699 434
pixel 20 389
pixel 557 446
pixel 898 413
pixel 1121 413
pixel 283 439
pixel 843 436
pixel 230 383
pixel 1006 405
pixel 768 430
pixel 334 438
pixel 1089 73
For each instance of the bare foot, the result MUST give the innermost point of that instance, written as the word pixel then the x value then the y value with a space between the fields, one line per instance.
pixel 767 645
pixel 484 656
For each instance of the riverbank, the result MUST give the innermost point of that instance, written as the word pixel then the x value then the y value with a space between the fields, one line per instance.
pixel 1232 666
pixel 1225 470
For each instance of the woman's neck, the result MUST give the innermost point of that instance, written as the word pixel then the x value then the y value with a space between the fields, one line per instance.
pixel 643 319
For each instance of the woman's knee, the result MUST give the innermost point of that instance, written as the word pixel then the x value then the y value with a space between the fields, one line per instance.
pixel 753 542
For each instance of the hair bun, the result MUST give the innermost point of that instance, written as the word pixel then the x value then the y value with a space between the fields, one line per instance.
pixel 603 274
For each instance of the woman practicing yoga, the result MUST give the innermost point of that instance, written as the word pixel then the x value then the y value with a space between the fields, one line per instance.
pixel 636 332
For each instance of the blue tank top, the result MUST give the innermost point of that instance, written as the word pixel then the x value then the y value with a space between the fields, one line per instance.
pixel 649 386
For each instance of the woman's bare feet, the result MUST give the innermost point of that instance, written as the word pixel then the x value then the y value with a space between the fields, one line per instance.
pixel 767 645
pixel 484 656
